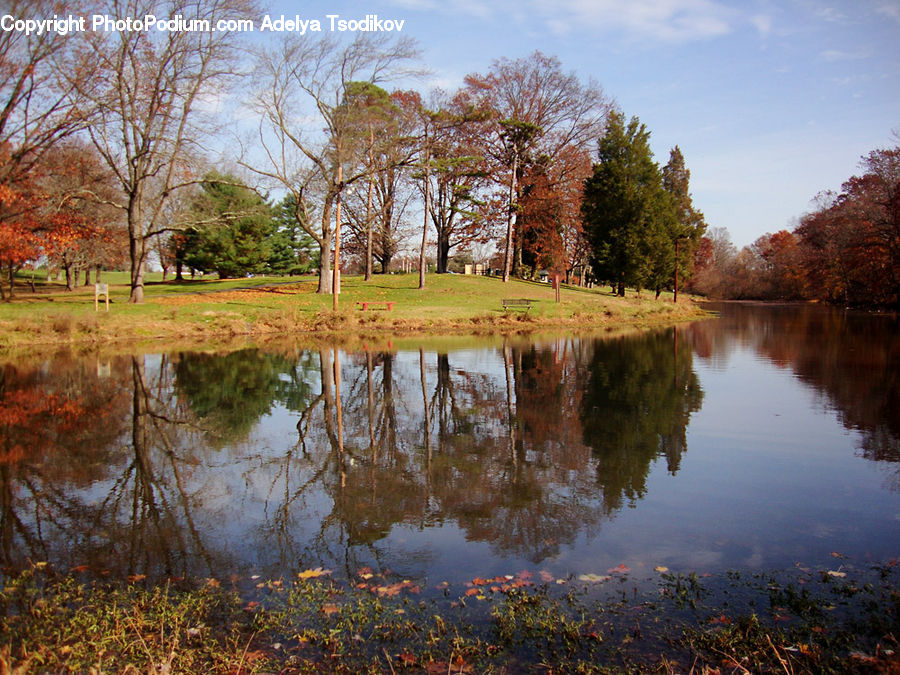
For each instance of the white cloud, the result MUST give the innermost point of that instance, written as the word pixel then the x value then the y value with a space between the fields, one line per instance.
pixel 672 21
pixel 831 14
pixel 889 9
pixel 763 24
pixel 834 55
pixel 661 20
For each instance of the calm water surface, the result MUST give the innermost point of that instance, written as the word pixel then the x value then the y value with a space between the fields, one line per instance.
pixel 765 438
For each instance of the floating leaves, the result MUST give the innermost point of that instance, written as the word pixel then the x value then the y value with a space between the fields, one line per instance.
pixel 594 578
pixel 313 574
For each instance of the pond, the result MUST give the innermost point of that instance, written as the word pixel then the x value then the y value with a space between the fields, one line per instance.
pixel 759 440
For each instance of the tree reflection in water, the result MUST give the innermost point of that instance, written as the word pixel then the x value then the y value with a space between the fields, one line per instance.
pixel 850 357
pixel 276 460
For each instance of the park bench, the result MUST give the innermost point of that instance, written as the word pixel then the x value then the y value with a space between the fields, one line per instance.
pixel 367 304
pixel 516 303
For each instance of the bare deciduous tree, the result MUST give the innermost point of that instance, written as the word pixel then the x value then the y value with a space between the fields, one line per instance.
pixel 302 85
pixel 150 89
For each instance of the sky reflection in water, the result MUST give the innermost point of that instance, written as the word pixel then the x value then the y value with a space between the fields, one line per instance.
pixel 759 440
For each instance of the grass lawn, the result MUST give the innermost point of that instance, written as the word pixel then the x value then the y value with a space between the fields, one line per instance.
pixel 210 308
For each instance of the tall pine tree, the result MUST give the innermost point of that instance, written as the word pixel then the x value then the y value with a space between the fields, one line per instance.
pixel 626 211
pixel 689 223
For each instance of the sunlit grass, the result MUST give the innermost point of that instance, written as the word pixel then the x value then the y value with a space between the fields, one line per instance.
pixel 271 305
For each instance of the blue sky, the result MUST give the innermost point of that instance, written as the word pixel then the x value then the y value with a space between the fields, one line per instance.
pixel 769 101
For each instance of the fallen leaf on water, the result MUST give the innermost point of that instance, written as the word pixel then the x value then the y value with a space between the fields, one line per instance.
pixel 595 578
pixel 835 554
pixel 619 569
pixel 661 569
pixel 472 591
pixel 137 577
pixel 313 574
pixel 250 606
pixel 836 573
pixel 80 568
pixel 720 620
pixel 330 609
pixel 546 577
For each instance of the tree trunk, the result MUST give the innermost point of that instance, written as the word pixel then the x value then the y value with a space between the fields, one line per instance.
pixel 427 211
pixel 70 284
pixel 510 219
pixel 325 246
pixel 87 276
pixel 136 247
pixel 443 252
pixel 369 235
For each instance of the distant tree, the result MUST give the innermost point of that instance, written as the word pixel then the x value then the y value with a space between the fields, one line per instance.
pixel 292 250
pixel 147 94
pixel 80 231
pixel 537 110
pixel 231 231
pixel 39 107
pixel 320 73
pixel 850 244
pixel 626 211
pixel 689 224
pixel 781 274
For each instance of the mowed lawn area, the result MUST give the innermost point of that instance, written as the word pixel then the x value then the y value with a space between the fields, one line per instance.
pixel 270 305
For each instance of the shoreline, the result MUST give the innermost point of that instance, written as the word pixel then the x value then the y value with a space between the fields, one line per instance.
pixel 804 619
pixel 455 306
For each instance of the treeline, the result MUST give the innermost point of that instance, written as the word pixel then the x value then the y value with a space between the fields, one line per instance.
pixel 103 160
pixel 845 251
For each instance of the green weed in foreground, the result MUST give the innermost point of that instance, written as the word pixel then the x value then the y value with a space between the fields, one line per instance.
pixel 788 622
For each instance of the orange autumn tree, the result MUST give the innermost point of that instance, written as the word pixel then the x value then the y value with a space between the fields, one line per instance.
pixel 81 230
pixel 38 108
pixel 19 241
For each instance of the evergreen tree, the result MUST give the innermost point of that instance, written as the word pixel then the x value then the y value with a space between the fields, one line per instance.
pixel 292 250
pixel 689 223
pixel 626 211
pixel 231 230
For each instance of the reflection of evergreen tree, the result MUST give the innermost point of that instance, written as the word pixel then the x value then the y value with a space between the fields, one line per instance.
pixel 229 393
pixel 640 394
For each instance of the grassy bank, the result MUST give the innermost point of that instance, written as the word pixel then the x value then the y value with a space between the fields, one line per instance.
pixel 260 307
pixel 797 621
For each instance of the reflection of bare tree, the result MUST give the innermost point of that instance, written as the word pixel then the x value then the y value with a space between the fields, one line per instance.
pixel 161 532
pixel 144 521
pixel 384 442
